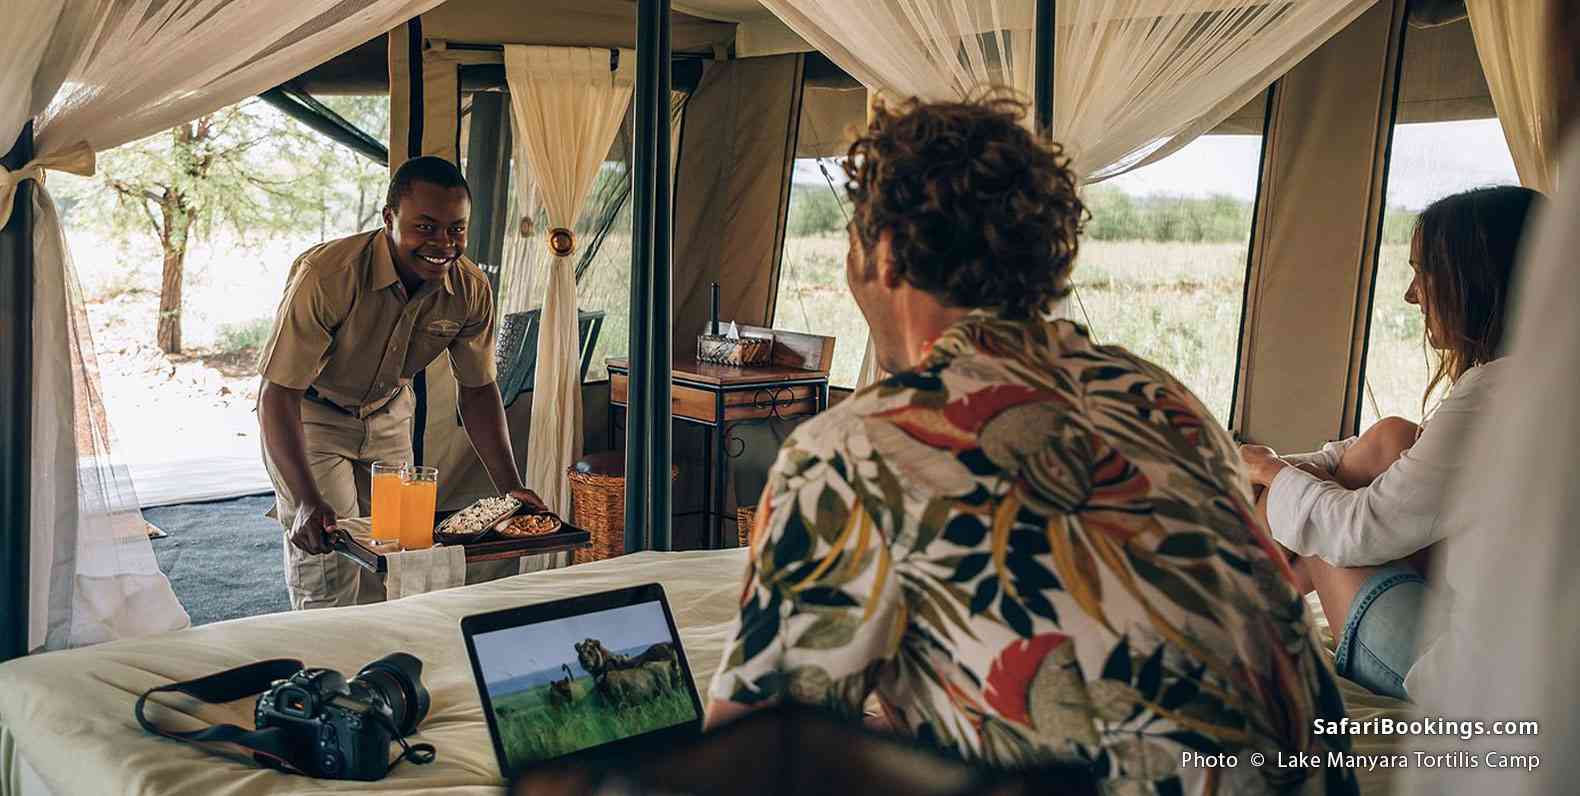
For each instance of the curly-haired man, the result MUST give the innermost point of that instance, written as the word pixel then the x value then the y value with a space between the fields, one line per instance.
pixel 1032 549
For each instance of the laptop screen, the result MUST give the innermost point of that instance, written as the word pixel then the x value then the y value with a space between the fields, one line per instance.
pixel 562 685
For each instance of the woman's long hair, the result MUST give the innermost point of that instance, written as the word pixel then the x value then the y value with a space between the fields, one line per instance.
pixel 1467 244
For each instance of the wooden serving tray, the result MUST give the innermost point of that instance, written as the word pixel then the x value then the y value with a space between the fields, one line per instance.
pixel 362 549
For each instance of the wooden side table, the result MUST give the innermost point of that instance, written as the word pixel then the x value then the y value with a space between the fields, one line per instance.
pixel 718 397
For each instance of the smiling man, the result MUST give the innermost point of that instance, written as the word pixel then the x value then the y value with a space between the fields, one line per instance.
pixel 361 316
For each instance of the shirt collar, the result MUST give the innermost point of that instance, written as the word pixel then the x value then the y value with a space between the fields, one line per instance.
pixel 381 271
pixel 970 332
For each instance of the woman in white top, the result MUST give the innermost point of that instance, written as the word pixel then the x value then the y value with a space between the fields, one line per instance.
pixel 1359 515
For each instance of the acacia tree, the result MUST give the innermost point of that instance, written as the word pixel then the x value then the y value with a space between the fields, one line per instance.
pixel 218 167
pixel 247 168
pixel 352 187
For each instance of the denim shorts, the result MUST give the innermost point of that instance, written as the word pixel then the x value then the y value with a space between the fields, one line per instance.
pixel 1380 635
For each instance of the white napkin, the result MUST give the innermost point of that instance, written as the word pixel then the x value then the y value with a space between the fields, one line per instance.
pixel 417 571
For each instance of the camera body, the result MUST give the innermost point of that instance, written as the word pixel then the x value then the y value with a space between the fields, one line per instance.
pixel 339 729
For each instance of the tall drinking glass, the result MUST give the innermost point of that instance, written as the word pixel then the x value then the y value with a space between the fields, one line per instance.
pixel 419 494
pixel 386 499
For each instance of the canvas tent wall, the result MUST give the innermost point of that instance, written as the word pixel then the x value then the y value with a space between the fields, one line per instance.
pixel 743 249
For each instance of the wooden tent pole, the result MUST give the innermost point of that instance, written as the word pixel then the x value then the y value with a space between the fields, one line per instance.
pixel 660 318
pixel 640 413
pixel 16 392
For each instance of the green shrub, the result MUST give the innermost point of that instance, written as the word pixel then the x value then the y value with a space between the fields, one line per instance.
pixel 1398 226
pixel 237 337
pixel 1162 218
pixel 814 210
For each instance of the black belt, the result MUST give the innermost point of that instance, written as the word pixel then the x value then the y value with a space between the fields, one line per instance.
pixel 312 395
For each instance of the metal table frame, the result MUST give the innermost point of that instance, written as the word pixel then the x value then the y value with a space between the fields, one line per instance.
pixel 721 443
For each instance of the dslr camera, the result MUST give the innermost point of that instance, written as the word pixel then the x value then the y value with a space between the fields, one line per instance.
pixel 342 729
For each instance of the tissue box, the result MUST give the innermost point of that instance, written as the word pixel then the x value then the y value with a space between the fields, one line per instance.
pixel 738 351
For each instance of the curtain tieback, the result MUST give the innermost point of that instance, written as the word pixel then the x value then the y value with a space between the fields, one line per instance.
pixel 562 242
pixel 77 159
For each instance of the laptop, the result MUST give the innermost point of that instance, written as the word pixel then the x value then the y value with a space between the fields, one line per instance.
pixel 594 677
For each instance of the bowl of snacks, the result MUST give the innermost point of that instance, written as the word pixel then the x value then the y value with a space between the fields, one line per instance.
pixel 529 524
pixel 476 522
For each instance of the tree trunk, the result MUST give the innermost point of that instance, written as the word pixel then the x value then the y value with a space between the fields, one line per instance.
pixel 169 335
pixel 177 228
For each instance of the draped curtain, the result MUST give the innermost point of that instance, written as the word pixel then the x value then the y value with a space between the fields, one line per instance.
pixel 1512 42
pixel 606 210
pixel 95 74
pixel 932 49
pixel 1134 80
pixel 567 104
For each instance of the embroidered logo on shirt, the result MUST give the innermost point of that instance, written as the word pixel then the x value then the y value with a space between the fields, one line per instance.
pixel 444 327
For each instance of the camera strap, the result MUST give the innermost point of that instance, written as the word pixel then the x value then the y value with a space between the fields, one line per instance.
pixel 270 746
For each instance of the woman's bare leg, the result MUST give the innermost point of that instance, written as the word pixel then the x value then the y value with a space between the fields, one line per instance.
pixel 1373 453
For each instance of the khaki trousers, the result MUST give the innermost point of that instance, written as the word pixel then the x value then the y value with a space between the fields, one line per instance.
pixel 340 452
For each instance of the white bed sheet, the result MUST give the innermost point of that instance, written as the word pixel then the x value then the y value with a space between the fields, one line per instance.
pixel 66 724
pixel 67 716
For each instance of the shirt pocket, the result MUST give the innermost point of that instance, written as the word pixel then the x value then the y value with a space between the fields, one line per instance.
pixel 425 348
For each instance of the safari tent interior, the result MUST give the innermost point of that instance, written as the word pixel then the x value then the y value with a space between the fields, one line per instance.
pixel 700 110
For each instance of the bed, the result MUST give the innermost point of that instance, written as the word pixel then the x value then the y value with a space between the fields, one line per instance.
pixel 66 723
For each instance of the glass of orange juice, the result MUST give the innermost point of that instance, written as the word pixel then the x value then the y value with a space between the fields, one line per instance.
pixel 386 499
pixel 419 493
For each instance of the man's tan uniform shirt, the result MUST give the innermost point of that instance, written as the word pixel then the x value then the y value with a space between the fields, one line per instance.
pixel 348 329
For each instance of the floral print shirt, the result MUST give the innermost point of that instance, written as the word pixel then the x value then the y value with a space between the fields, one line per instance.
pixel 1035 549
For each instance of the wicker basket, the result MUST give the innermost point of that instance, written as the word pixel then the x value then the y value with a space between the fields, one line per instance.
pixel 598 507
pixel 737 351
pixel 744 517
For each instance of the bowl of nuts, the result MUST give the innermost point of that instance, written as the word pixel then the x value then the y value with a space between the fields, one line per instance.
pixel 529 525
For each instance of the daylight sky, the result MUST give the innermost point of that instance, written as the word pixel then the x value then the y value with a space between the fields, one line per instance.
pixel 509 653
pixel 1429 161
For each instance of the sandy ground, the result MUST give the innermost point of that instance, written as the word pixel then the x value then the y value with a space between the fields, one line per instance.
pixel 184 410
pixel 170 407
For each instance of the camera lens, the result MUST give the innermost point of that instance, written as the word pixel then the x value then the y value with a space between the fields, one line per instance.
pixel 397 678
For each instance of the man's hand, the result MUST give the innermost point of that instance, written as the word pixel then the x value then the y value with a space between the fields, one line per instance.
pixel 1262 464
pixel 530 498
pixel 280 417
pixel 314 529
